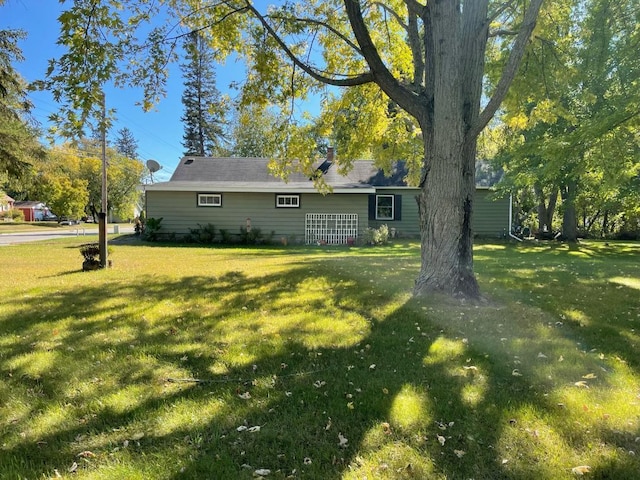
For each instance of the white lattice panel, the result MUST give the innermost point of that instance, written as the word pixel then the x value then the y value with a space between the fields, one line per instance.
pixel 331 228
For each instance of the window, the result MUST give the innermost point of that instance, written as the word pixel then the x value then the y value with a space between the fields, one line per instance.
pixel 287 201
pixel 209 200
pixel 384 207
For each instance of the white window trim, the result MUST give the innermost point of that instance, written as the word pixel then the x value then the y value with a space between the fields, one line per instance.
pixel 393 206
pixel 216 196
pixel 295 201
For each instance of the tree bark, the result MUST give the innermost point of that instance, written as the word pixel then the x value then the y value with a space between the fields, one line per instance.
pixel 546 207
pixel 445 202
pixel 569 217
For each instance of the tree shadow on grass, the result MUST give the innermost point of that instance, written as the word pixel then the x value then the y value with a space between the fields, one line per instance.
pixel 343 385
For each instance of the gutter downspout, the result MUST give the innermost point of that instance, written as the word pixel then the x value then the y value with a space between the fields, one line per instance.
pixel 511 219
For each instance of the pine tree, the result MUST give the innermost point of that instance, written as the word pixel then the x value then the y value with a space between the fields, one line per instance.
pixel 203 106
pixel 19 144
pixel 126 144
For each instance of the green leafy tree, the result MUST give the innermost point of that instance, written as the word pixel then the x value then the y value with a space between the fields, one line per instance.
pixel 204 108
pixel 422 60
pixel 64 196
pixel 576 134
pixel 58 184
pixel 255 132
pixel 124 174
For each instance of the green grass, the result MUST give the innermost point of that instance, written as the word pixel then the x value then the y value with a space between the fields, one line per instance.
pixel 195 363
pixel 28 227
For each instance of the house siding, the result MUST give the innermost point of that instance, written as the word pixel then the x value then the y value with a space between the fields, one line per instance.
pixel 490 216
pixel 180 211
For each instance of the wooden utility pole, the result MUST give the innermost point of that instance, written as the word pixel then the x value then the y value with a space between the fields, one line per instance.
pixel 102 225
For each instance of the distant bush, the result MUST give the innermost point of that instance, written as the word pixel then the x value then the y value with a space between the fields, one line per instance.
pixel 226 236
pixel 91 254
pixel 250 237
pixel 203 234
pixel 14 214
pixel 151 228
pixel 376 236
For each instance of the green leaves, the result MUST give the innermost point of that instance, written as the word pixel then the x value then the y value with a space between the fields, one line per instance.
pixel 574 104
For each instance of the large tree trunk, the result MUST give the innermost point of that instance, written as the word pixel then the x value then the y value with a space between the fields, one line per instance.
pixel 569 217
pixel 447 108
pixel 448 188
pixel 445 206
pixel 546 207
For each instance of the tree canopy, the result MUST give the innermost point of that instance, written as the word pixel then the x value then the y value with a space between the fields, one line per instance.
pixel 576 133
pixel 18 137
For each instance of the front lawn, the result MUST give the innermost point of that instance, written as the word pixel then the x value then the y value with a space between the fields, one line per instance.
pixel 195 363
pixel 31 227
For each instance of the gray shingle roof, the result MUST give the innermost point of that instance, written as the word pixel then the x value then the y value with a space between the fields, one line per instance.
pixel 253 175
pixel 255 170
pixel 228 169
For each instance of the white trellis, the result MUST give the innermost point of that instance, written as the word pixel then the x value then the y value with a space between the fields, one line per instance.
pixel 331 228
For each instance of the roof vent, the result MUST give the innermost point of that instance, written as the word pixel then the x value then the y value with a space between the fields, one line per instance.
pixel 188 161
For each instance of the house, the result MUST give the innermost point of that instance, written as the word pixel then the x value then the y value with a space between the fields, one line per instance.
pixel 235 193
pixel 6 202
pixel 33 211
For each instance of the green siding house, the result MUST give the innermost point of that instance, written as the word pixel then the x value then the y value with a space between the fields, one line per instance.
pixel 235 193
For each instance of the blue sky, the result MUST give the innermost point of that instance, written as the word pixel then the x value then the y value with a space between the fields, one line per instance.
pixel 159 132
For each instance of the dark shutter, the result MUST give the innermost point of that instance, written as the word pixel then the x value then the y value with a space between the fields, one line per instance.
pixel 397 207
pixel 372 207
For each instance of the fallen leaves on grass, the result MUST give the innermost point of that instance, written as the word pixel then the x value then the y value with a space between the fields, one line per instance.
pixel 244 428
pixel 581 469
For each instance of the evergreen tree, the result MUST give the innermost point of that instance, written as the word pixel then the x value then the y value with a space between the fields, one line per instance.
pixel 126 144
pixel 19 144
pixel 203 106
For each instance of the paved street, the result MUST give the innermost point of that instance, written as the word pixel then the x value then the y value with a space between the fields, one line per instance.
pixel 80 231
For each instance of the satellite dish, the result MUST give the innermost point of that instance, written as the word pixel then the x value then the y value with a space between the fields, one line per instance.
pixel 153 167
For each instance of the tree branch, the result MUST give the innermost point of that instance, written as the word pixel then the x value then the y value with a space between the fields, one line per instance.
pixel 325 25
pixel 415 44
pixel 392 12
pixel 365 77
pixel 510 70
pixel 417 7
pixel 501 10
pixel 379 72
pixel 497 33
